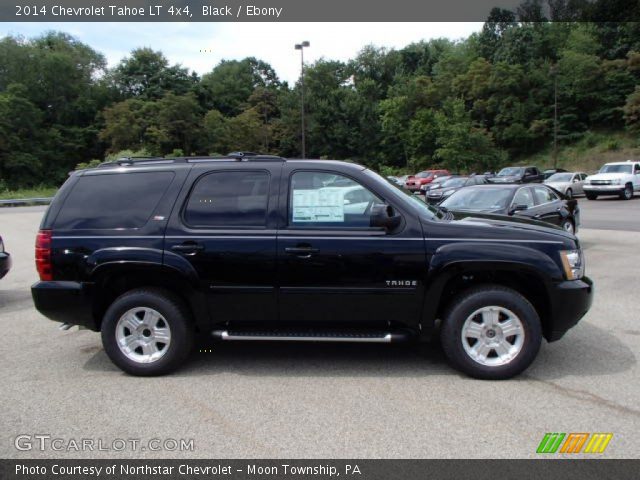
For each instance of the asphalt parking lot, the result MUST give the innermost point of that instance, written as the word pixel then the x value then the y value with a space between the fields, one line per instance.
pixel 339 401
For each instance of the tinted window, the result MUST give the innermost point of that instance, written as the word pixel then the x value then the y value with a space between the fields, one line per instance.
pixel 229 199
pixel 110 201
pixel 318 199
pixel 544 195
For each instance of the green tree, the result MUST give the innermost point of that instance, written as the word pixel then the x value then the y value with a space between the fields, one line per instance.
pixel 147 74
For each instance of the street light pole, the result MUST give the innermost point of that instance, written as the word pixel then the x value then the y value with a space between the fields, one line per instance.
pixel 301 46
pixel 554 72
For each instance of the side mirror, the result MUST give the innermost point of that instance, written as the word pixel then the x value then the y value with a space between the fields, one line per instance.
pixel 518 208
pixel 576 180
pixel 383 216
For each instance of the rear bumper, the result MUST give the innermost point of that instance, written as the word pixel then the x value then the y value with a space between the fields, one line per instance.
pixel 66 302
pixel 5 263
pixel 570 301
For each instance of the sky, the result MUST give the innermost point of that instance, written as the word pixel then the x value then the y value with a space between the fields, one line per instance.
pixel 201 46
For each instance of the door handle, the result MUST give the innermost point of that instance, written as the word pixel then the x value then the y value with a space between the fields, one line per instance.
pixel 188 248
pixel 301 252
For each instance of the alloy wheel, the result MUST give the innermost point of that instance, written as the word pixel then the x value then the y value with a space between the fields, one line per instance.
pixel 143 335
pixel 493 336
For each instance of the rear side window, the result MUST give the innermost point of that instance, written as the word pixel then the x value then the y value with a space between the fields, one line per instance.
pixel 113 201
pixel 544 195
pixel 229 199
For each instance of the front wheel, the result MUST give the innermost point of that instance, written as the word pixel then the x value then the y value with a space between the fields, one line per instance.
pixel 569 193
pixel 627 193
pixel 491 332
pixel 147 331
pixel 567 226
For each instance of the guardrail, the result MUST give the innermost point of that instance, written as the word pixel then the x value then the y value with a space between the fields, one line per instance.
pixel 21 202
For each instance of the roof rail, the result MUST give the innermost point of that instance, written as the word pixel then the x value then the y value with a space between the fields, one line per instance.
pixel 237 156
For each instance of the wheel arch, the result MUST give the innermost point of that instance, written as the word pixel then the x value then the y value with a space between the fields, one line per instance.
pixel 112 279
pixel 449 277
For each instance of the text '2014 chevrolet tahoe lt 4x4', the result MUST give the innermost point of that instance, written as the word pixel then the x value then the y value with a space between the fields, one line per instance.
pixel 152 252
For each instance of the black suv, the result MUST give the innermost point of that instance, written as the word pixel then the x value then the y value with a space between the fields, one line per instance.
pixel 152 252
pixel 518 175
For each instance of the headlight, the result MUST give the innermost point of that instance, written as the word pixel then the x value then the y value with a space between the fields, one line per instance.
pixel 1 246
pixel 573 264
pixel 615 181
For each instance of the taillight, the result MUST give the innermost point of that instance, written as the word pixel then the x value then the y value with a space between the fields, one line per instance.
pixel 43 255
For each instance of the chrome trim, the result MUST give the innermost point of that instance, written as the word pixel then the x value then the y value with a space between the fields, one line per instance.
pixel 225 336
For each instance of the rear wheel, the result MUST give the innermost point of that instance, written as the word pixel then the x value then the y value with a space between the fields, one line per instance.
pixel 591 196
pixel 627 193
pixel 147 332
pixel 491 332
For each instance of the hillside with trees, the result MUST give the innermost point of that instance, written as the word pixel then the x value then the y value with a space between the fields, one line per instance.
pixel 474 104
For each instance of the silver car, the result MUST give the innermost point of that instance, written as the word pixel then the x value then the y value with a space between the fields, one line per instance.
pixel 569 183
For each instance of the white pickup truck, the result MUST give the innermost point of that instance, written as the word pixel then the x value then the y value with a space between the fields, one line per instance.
pixel 615 178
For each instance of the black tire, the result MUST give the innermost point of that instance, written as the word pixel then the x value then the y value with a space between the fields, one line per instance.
pixel 173 311
pixel 569 193
pixel 464 305
pixel 568 226
pixel 627 193
pixel 591 196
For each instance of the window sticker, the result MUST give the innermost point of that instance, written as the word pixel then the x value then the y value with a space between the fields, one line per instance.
pixel 323 205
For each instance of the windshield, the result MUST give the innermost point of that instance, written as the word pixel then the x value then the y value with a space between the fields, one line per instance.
pixel 424 174
pixel 560 177
pixel 616 169
pixel 510 171
pixel 454 182
pixel 478 199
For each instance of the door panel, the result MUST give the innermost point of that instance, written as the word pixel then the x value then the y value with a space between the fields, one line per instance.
pixel 224 228
pixel 350 274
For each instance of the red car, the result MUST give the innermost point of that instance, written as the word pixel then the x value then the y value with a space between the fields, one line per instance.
pixel 414 182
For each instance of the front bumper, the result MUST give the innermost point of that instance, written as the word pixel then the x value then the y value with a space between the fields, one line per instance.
pixel 66 302
pixel 5 263
pixel 612 189
pixel 570 301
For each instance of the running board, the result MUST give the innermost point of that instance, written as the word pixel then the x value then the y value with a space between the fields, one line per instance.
pixel 292 336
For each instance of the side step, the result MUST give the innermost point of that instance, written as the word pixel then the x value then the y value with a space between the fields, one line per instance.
pixel 316 336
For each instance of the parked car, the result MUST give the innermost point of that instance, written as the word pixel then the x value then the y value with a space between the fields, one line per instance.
pixel 149 252
pixel 5 260
pixel 453 184
pixel 414 182
pixel 568 183
pixel 435 183
pixel 518 175
pixel 552 171
pixel 395 180
pixel 615 178
pixel 535 202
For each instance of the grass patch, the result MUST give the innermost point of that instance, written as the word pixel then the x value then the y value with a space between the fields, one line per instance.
pixel 590 153
pixel 36 192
